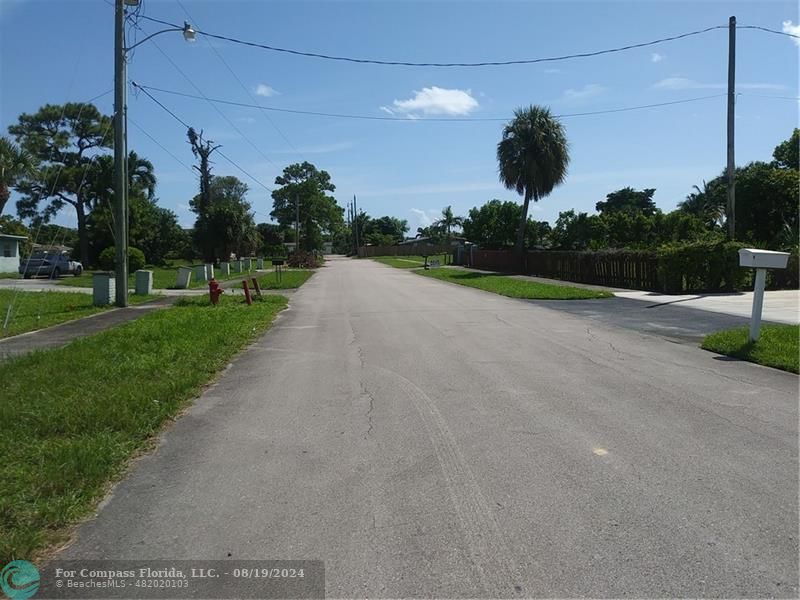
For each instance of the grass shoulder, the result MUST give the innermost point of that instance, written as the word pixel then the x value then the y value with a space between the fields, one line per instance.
pixel 289 279
pixel 778 346
pixel 513 287
pixel 21 312
pixel 74 416
pixel 406 262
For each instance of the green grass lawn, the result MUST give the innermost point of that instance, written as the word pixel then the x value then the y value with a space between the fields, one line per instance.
pixel 407 262
pixel 513 288
pixel 777 346
pixel 9 275
pixel 73 416
pixel 289 280
pixel 163 277
pixel 36 310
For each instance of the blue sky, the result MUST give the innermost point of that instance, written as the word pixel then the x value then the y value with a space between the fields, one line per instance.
pixel 55 51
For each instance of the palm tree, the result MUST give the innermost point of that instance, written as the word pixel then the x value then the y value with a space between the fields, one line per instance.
pixel 15 163
pixel 448 221
pixel 533 157
pixel 706 205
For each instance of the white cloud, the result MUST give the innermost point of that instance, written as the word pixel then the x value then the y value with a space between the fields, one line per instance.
pixel 262 89
pixel 435 101
pixel 421 218
pixel 684 83
pixel 656 57
pixel 791 29
pixel 590 90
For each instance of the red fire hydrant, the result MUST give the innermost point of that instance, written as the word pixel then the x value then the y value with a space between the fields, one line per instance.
pixel 214 291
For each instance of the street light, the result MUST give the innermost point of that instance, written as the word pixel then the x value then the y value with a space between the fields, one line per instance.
pixel 121 142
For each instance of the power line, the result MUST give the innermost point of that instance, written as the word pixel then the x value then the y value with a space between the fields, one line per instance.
pixel 768 30
pixel 795 98
pixel 442 64
pixel 222 114
pixel 159 144
pixel 186 125
pixel 427 119
pixel 241 83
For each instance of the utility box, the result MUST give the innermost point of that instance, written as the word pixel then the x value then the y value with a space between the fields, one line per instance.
pixel 144 283
pixel 224 269
pixel 200 273
pixel 209 271
pixel 103 288
pixel 762 259
pixel 184 278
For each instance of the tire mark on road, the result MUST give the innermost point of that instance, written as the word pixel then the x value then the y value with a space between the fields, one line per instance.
pixel 494 563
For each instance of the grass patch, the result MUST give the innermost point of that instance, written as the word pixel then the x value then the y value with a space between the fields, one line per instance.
pixel 70 427
pixel 407 262
pixel 289 280
pixel 9 275
pixel 35 310
pixel 514 288
pixel 777 346
pixel 163 277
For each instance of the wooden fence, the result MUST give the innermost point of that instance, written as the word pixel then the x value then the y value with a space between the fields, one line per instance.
pixel 629 270
pixel 405 250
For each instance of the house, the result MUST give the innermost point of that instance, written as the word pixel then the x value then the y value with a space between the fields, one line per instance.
pixel 9 252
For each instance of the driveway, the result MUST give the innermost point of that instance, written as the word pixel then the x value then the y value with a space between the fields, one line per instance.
pixel 430 440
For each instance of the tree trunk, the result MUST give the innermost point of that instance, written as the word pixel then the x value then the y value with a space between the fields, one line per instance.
pixel 83 237
pixel 519 248
pixel 5 194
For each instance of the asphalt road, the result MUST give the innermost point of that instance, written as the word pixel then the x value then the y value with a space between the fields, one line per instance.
pixel 425 440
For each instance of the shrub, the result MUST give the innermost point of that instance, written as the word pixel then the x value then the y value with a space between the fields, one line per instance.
pixel 705 266
pixel 107 259
pixel 304 260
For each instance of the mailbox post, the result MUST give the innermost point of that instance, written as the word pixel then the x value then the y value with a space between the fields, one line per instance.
pixel 760 260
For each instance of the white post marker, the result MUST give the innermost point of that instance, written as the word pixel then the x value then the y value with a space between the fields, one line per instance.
pixel 760 260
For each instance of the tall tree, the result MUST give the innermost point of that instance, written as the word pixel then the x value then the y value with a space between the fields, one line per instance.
pixel 448 222
pixel 15 165
pixel 303 188
pixel 225 224
pixel 629 200
pixel 494 225
pixel 384 231
pixel 533 156
pixel 202 150
pixel 63 140
pixel 787 154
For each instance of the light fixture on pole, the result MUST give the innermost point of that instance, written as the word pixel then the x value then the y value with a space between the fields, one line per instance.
pixel 121 143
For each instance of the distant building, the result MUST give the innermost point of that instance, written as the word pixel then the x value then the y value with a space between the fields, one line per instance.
pixel 9 252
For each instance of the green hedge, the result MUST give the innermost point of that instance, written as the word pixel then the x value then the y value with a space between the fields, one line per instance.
pixel 108 259
pixel 701 267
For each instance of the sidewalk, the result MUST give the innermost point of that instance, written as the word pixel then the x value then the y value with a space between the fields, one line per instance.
pixel 780 306
pixel 62 334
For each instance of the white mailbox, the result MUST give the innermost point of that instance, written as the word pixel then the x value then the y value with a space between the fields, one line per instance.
pixel 762 259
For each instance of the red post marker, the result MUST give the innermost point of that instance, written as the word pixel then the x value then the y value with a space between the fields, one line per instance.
pixel 246 292
pixel 256 287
